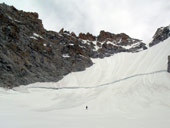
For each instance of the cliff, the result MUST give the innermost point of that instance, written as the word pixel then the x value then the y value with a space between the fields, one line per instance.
pixel 29 53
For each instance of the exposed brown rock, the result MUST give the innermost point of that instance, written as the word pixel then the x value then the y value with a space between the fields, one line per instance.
pixel 13 8
pixel 32 14
pixel 73 34
pixel 61 31
pixel 87 36
pixel 105 35
pixel 123 36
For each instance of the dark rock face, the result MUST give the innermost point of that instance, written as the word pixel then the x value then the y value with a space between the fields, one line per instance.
pixel 161 34
pixel 169 64
pixel 29 53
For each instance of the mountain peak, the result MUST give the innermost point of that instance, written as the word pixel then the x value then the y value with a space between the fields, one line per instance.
pixel 29 53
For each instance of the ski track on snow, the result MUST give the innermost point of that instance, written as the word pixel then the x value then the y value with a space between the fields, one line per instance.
pixel 105 84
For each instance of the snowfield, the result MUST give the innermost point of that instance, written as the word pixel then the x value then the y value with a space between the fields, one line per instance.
pixel 126 90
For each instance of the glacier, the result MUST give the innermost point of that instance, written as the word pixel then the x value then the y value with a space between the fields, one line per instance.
pixel 125 90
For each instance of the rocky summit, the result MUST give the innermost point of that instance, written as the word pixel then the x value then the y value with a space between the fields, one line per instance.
pixel 29 53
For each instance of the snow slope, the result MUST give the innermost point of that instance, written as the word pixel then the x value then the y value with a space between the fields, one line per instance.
pixel 127 90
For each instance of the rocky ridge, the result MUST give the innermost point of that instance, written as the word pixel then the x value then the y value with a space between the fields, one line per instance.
pixel 161 34
pixel 29 53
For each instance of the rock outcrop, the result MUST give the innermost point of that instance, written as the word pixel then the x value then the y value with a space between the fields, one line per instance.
pixel 87 36
pixel 29 53
pixel 161 34
pixel 169 64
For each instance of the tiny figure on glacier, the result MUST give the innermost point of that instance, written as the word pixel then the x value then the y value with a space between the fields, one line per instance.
pixel 86 107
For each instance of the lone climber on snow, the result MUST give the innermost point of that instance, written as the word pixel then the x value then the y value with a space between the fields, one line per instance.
pixel 86 107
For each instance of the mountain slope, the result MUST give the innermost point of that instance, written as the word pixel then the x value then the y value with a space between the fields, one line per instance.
pixel 119 66
pixel 124 90
pixel 29 53
pixel 138 101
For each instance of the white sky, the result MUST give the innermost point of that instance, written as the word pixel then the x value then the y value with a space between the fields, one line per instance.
pixel 137 18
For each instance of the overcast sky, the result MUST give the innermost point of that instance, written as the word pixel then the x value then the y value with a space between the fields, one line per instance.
pixel 137 18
